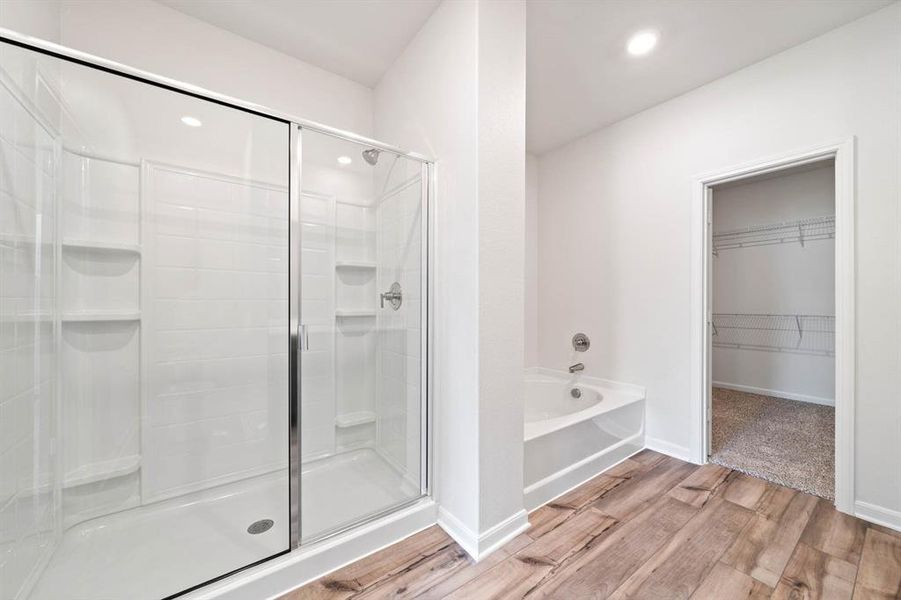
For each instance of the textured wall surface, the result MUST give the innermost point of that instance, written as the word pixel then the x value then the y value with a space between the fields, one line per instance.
pixel 614 222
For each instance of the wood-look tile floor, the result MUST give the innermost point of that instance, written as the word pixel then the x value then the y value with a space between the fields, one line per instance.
pixel 652 527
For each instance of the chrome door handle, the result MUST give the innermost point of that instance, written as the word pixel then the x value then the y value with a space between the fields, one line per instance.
pixel 303 338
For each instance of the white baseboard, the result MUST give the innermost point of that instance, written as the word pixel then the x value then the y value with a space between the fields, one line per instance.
pixel 877 514
pixel 775 393
pixel 478 546
pixel 462 534
pixel 668 448
pixel 502 533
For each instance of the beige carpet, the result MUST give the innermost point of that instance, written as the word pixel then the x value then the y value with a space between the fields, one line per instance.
pixel 787 442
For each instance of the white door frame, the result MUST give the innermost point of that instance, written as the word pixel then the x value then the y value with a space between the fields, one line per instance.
pixel 843 152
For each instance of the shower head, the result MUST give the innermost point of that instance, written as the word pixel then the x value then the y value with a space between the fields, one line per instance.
pixel 371 156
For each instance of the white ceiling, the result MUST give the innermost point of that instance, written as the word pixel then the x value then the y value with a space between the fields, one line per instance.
pixel 580 77
pixel 358 39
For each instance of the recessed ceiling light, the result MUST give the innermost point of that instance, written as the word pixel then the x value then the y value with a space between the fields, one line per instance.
pixel 344 160
pixel 642 42
pixel 191 121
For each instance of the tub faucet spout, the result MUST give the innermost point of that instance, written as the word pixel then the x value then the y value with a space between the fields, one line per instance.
pixel 577 367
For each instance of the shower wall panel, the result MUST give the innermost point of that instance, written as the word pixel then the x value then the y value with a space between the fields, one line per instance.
pixel 100 200
pixel 217 313
pixel 355 323
pixel 317 378
pixel 400 332
pixel 100 282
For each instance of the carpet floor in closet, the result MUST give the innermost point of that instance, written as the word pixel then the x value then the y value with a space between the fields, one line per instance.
pixel 784 441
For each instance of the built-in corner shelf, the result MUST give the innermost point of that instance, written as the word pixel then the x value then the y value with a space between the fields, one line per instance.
pixel 362 417
pixel 89 316
pixel 74 244
pixel 355 264
pixel 341 313
pixel 102 471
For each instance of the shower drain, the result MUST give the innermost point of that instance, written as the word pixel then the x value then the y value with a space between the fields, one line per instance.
pixel 260 526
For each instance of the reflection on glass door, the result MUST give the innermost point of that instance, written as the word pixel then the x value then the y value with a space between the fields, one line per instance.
pixel 143 335
pixel 362 379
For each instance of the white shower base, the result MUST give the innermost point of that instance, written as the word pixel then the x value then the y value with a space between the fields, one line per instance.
pixel 167 547
pixel 344 488
pixel 161 549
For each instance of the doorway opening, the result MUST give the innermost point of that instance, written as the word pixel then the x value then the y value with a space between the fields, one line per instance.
pixel 772 294
pixel 773 321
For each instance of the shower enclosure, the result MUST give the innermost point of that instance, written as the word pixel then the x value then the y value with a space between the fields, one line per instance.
pixel 213 332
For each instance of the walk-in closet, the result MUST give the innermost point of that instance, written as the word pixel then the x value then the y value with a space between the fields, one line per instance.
pixel 773 326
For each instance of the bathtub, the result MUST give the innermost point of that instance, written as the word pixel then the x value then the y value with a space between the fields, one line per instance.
pixel 569 440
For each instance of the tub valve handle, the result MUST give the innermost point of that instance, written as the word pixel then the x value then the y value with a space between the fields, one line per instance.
pixel 394 296
pixel 581 343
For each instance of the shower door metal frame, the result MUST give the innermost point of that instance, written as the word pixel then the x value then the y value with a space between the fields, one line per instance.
pixel 297 332
pixel 296 336
pixel 296 125
pixel 89 60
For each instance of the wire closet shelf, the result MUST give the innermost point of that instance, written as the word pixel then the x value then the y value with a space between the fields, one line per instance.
pixel 800 231
pixel 801 334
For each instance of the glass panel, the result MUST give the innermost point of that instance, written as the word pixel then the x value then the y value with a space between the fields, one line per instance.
pixel 29 161
pixel 143 342
pixel 361 375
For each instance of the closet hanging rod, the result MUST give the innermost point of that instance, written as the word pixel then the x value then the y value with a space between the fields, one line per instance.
pixel 800 231
pixel 800 333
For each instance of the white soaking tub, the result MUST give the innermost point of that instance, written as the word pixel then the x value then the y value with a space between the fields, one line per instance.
pixel 568 439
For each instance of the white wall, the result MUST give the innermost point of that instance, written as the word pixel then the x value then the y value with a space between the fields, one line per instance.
pixel 531 260
pixel 502 151
pixel 40 19
pixel 437 116
pixel 161 40
pixel 457 93
pixel 783 279
pixel 614 227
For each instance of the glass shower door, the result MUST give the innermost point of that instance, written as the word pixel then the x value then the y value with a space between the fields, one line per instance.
pixel 362 377
pixel 143 335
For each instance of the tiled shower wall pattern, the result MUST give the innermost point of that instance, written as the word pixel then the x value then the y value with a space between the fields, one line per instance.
pixel 216 304
pixel 28 477
pixel 317 375
pixel 399 348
